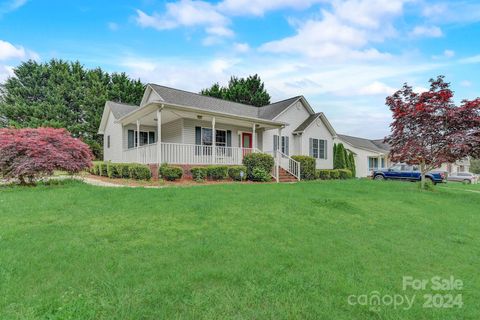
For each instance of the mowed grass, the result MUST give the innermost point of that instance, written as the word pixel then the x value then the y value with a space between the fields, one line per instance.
pixel 259 251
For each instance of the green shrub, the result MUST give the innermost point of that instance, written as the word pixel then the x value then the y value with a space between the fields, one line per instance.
pixel 217 172
pixel 259 174
pixel 258 160
pixel 344 174
pixel 117 170
pixel 199 173
pixel 334 174
pixel 95 168
pixel 429 185
pixel 322 174
pixel 139 172
pixel 102 169
pixel 170 173
pixel 307 166
pixel 234 173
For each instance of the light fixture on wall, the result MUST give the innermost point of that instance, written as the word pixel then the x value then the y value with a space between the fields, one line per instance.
pixel 199 117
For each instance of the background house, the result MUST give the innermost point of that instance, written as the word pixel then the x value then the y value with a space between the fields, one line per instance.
pixel 372 155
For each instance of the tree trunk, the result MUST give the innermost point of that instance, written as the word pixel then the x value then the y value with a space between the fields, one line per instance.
pixel 422 172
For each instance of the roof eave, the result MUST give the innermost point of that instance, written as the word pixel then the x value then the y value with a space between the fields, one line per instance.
pixel 155 104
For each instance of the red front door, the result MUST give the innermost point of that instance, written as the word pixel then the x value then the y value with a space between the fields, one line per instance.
pixel 246 140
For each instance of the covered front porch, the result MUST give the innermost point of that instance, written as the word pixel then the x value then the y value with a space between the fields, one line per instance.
pixel 159 133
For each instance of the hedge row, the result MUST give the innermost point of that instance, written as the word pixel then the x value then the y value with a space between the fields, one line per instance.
pixel 121 170
pixel 218 173
pixel 324 174
pixel 259 166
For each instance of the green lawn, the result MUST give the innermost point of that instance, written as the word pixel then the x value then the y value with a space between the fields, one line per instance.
pixel 257 251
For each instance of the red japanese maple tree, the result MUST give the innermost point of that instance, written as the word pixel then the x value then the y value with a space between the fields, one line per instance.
pixel 28 154
pixel 428 129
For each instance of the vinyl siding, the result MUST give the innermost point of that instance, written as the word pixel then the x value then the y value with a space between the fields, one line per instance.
pixel 294 116
pixel 318 130
pixel 114 130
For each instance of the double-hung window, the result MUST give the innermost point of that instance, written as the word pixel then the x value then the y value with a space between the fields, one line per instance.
pixel 318 148
pixel 283 144
pixel 146 137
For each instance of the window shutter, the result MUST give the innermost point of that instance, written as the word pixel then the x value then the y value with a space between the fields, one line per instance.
pixel 198 135
pixel 287 146
pixel 151 137
pixel 326 149
pixel 229 138
pixel 310 147
pixel 131 139
pixel 275 142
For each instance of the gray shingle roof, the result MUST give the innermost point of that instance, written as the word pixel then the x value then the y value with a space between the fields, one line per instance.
pixel 120 109
pixel 365 143
pixel 272 110
pixel 382 145
pixel 307 122
pixel 190 99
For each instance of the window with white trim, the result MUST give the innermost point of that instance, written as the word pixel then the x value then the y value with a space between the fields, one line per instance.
pixel 318 148
pixel 282 144
pixel 146 137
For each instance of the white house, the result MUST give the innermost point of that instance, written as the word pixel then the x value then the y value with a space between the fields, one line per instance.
pixel 184 128
pixel 372 155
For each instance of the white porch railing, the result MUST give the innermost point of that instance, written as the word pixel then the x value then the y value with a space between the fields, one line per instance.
pixel 286 163
pixel 177 153
pixel 290 165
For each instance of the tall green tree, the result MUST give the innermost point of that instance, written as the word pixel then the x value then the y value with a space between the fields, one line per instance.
pixel 475 166
pixel 64 94
pixel 250 90
pixel 339 162
pixel 352 164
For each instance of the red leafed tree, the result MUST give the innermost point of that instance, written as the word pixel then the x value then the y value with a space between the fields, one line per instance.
pixel 27 154
pixel 428 129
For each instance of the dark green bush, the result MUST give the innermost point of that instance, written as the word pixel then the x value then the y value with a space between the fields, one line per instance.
pixel 344 174
pixel 322 174
pixel 259 174
pixel 307 166
pixel 139 172
pixel 170 173
pixel 102 169
pixel 217 172
pixel 199 173
pixel 234 173
pixel 258 160
pixel 334 174
pixel 117 170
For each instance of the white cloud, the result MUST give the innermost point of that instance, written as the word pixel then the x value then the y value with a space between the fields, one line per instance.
pixel 260 7
pixel 376 88
pixel 449 53
pixel 10 5
pixel 113 26
pixel 369 14
pixel 420 89
pixel 5 72
pixel 472 59
pixel 187 13
pixel 452 12
pixel 10 51
pixel 241 47
pixel 426 31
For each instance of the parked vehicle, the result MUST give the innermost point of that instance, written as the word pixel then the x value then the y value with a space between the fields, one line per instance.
pixel 407 173
pixel 465 177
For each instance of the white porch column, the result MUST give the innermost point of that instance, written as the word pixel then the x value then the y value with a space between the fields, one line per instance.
pixel 138 141
pixel 277 154
pixel 254 137
pixel 214 142
pixel 159 136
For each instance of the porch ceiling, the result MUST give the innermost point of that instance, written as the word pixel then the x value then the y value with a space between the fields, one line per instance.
pixel 148 116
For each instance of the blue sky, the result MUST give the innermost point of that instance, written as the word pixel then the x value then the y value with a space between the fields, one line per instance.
pixel 345 56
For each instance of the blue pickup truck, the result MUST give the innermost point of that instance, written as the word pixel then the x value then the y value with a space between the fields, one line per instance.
pixel 408 173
